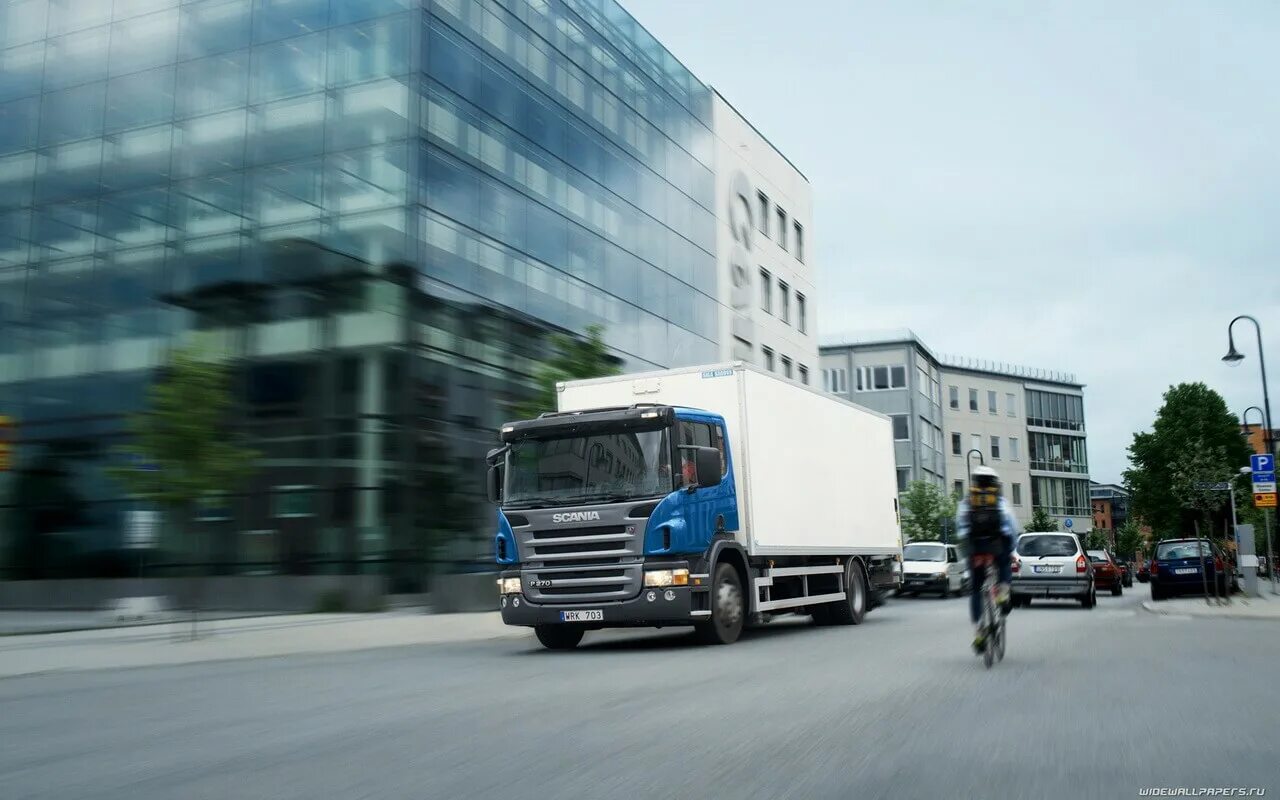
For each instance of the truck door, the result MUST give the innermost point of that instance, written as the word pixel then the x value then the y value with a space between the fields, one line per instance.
pixel 705 507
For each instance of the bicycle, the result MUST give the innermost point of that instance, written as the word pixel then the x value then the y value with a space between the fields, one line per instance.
pixel 992 618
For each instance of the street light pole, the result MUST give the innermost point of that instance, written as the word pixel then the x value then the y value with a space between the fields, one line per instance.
pixel 1233 357
pixel 968 462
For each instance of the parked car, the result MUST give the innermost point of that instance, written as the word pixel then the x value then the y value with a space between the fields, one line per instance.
pixel 933 567
pixel 1106 573
pixel 1126 573
pixel 1052 565
pixel 1176 568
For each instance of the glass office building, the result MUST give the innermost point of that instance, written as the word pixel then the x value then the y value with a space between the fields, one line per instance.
pixel 375 209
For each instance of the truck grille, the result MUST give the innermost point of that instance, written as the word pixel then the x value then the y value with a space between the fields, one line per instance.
pixel 581 564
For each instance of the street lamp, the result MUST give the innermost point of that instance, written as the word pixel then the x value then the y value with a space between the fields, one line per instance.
pixel 1234 357
pixel 968 462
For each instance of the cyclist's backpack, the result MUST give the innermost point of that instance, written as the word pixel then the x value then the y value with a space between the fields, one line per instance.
pixel 985 520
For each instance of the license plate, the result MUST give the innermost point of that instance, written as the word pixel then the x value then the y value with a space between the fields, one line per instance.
pixel 1186 571
pixel 1047 570
pixel 594 615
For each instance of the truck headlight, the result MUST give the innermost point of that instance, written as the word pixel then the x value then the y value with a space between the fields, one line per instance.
pixel 660 578
pixel 508 585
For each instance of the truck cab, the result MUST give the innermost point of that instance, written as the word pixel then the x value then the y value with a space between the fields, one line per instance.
pixel 607 517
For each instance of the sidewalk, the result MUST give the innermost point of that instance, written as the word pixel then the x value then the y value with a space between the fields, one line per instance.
pixel 1265 607
pixel 258 637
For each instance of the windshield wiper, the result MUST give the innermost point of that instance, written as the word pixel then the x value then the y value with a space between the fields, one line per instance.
pixel 540 500
pixel 597 497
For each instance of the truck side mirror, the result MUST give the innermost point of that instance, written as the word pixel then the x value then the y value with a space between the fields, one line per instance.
pixel 707 465
pixel 495 484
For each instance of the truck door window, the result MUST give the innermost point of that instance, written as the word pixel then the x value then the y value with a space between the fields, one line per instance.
pixel 692 434
pixel 717 441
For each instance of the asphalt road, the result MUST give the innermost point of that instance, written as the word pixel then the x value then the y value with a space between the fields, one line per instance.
pixel 1086 704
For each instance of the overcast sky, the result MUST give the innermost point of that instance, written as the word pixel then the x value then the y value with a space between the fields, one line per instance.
pixel 1083 186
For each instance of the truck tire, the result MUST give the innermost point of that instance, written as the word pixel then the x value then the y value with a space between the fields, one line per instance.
pixel 728 608
pixel 558 637
pixel 852 609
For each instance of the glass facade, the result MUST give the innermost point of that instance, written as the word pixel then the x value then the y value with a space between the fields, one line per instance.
pixel 378 207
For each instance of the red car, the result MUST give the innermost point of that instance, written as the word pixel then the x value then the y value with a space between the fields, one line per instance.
pixel 1106 574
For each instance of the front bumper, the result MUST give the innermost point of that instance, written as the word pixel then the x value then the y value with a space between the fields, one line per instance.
pixel 929 582
pixel 650 608
pixel 1071 586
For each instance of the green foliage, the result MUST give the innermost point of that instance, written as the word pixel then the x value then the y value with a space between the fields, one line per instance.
pixel 1096 540
pixel 572 359
pixel 182 437
pixel 1128 540
pixel 1194 439
pixel 926 509
pixel 1041 521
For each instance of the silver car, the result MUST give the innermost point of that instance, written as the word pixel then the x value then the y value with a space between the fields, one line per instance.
pixel 1053 566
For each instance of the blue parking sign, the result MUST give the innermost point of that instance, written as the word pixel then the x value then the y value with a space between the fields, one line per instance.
pixel 1263 463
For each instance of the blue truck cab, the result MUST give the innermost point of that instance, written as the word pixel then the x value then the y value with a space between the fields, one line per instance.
pixel 611 518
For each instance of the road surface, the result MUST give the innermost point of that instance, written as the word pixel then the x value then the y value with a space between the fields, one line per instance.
pixel 1093 703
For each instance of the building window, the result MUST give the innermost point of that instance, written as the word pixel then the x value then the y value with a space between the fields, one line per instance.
pixel 991 402
pixel 995 447
pixel 1015 453
pixel 1056 452
pixel 955 444
pixel 973 399
pixel 786 367
pixel 784 300
pixel 766 291
pixel 1016 488
pixel 835 380
pixel 1061 496
pixel 904 475
pixel 957 488
pixel 953 392
pixel 763 221
pixel 1053 410
pixel 900 432
pixel 292 501
pixel 768 359
pixel 804 374
pixel 880 377
pixel 1010 404
pixel 975 442
pixel 802 314
pixel 782 228
pixel 799 242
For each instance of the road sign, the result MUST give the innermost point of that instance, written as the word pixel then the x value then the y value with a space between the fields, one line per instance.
pixel 1264 488
pixel 1263 463
pixel 1264 481
pixel 1264 499
pixel 1068 523
pixel 1213 487
pixel 1264 477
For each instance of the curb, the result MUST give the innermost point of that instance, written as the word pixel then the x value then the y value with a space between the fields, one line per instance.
pixel 1217 613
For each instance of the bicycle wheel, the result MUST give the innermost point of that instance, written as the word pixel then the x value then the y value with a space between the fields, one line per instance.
pixel 999 640
pixel 989 622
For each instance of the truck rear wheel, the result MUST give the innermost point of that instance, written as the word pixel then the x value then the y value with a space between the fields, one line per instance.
pixel 728 608
pixel 558 637
pixel 853 607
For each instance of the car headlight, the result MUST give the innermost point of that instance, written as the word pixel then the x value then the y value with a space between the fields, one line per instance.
pixel 508 585
pixel 659 578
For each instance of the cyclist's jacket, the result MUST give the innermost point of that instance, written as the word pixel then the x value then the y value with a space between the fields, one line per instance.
pixel 1002 519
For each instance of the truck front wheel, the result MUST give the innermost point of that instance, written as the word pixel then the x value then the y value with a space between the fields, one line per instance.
pixel 728 608
pixel 558 637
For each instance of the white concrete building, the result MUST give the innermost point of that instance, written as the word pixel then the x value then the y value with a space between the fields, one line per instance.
pixel 764 246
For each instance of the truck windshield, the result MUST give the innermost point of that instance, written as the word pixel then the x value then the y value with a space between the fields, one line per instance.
pixel 583 469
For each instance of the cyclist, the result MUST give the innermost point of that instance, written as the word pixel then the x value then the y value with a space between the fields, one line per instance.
pixel 986 524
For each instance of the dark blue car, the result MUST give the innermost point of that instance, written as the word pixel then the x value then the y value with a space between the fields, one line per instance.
pixel 1176 568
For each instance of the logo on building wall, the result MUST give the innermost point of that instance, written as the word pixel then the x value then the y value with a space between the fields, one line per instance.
pixel 741 296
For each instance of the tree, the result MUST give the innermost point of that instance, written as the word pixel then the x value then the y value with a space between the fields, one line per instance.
pixel 926 510
pixel 1128 540
pixel 1193 419
pixel 1096 540
pixel 572 359
pixel 182 451
pixel 1041 522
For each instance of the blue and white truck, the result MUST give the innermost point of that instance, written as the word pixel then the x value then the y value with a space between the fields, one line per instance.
pixel 715 496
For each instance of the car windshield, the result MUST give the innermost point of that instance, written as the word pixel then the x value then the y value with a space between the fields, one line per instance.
pixel 1172 550
pixel 1097 557
pixel 924 552
pixel 1060 545
pixel 600 467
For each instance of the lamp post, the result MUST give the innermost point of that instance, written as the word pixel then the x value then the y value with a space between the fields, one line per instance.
pixel 968 462
pixel 1266 512
pixel 1234 357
